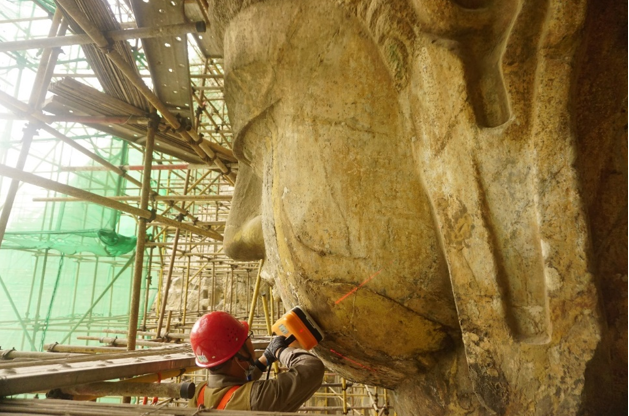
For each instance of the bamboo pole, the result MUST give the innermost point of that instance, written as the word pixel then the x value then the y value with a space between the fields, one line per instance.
pixel 121 342
pixel 82 349
pixel 168 320
pixel 24 19
pixel 248 285
pixel 344 387
pixel 168 281
pixel 147 288
pixel 201 147
pixel 201 105
pixel 269 331
pixel 272 306
pixel 185 293
pixel 374 399
pixel 173 166
pixel 214 288
pixel 205 76
pixel 94 303
pixel 267 319
pixel 334 394
pixel 19 107
pixel 35 100
pixel 13 354
pixel 134 308
pixel 231 290
pixel 204 11
pixel 183 390
pixel 256 291
pixel 149 334
pixel 158 198
pixel 225 287
pixel 386 402
pixel 47 62
pixel 97 199
pixel 115 35
pixel 17 314
pixel 195 244
pixel 164 375
pixel 81 119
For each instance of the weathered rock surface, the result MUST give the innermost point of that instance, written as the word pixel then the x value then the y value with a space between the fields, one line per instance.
pixel 443 186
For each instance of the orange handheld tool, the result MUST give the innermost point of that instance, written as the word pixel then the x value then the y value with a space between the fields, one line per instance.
pixel 298 328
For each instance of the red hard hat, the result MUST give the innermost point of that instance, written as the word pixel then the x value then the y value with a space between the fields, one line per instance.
pixel 216 337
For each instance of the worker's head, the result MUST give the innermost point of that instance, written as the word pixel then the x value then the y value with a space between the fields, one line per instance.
pixel 222 343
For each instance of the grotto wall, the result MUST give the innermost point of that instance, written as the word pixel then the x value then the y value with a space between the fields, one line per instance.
pixel 443 186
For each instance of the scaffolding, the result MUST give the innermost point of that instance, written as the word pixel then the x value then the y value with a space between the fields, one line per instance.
pixel 116 180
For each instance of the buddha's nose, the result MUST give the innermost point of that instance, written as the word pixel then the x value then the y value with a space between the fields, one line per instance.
pixel 243 238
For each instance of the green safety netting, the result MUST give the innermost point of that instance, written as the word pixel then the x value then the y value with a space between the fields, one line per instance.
pixel 66 268
pixel 101 242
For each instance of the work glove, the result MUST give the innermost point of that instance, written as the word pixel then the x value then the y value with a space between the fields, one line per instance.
pixel 276 345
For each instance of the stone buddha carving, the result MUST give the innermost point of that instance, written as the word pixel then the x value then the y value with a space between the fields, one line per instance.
pixel 413 174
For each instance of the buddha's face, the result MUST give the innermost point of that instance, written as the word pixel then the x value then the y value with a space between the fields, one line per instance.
pixel 327 174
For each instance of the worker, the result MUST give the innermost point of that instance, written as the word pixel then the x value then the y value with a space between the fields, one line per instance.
pixel 223 344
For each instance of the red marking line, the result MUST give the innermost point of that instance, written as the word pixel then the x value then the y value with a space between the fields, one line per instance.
pixel 351 361
pixel 367 280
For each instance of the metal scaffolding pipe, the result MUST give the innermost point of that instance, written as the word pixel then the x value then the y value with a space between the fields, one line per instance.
pixel 97 199
pixel 115 35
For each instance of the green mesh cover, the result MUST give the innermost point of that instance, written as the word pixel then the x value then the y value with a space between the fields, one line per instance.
pixel 101 242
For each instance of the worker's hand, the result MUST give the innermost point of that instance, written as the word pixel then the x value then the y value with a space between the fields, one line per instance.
pixel 276 345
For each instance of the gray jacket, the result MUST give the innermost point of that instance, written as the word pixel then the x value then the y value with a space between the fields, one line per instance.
pixel 286 393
